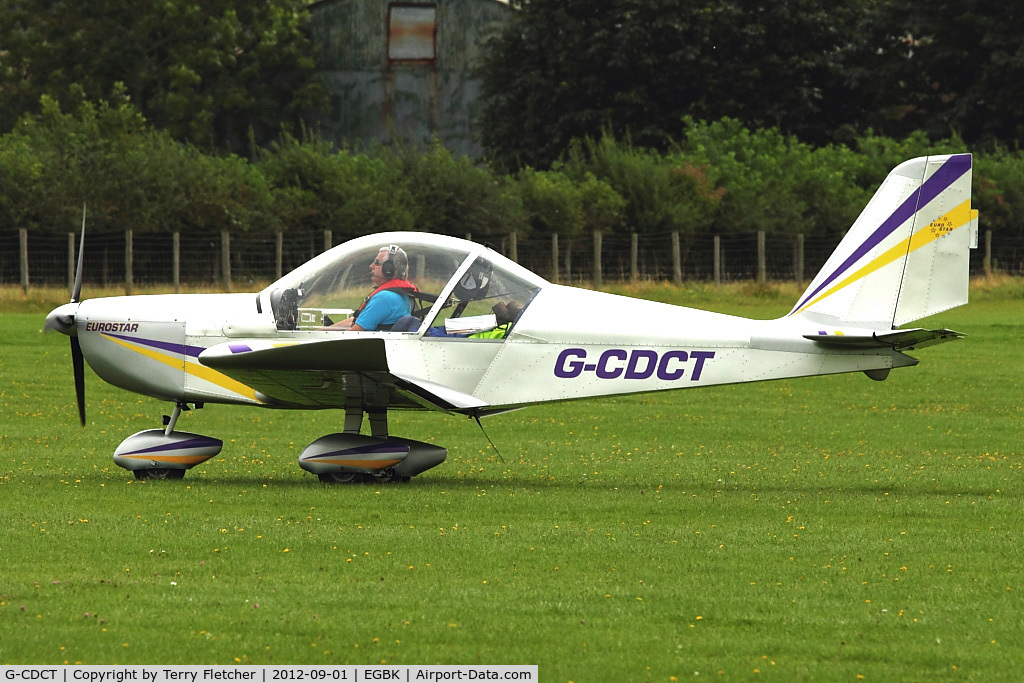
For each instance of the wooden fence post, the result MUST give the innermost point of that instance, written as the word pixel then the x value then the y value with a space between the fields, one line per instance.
pixel 225 258
pixel 717 258
pixel 513 247
pixel 554 258
pixel 634 256
pixel 129 263
pixel 598 275
pixel 278 255
pixel 987 262
pixel 762 268
pixel 799 270
pixel 328 239
pixel 176 260
pixel 568 261
pixel 677 261
pixel 23 254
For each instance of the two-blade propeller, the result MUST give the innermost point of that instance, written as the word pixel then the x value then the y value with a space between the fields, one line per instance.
pixel 62 319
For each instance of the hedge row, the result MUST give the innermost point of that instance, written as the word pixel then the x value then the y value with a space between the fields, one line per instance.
pixel 721 178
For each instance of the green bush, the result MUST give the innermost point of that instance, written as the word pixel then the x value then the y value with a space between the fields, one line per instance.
pixel 877 155
pixel 315 188
pixel 722 177
pixel 999 191
pixel 661 194
pixel 452 195
pixel 559 204
pixel 754 167
pixel 129 176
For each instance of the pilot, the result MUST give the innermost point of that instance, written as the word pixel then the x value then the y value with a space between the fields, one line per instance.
pixel 390 300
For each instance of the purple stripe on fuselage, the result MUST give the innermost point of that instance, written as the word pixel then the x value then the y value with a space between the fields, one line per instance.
pixel 950 171
pixel 198 442
pixel 183 349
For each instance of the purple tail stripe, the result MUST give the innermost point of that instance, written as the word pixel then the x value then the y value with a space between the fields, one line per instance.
pixel 954 167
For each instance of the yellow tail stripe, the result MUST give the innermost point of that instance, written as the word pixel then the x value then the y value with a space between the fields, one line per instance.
pixel 943 225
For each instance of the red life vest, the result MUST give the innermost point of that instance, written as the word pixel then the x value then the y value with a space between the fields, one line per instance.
pixel 401 286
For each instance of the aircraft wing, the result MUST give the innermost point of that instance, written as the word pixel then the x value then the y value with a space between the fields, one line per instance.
pixel 899 340
pixel 323 355
pixel 330 373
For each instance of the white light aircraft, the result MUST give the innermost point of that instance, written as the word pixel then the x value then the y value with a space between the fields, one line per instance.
pixel 487 335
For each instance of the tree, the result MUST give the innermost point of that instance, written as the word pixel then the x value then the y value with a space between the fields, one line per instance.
pixel 131 177
pixel 565 69
pixel 208 72
pixel 947 67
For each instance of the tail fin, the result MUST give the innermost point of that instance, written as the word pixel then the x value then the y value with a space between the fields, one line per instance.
pixel 906 256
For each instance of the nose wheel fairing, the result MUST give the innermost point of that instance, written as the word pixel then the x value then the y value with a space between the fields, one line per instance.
pixel 157 454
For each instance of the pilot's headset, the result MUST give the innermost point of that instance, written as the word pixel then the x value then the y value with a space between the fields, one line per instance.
pixel 397 264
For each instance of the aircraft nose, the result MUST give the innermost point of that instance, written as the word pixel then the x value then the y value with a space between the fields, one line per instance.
pixel 62 319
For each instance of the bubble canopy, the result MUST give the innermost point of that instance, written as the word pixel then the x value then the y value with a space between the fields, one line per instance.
pixel 456 277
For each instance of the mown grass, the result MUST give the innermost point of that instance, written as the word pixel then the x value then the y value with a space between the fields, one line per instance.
pixel 814 529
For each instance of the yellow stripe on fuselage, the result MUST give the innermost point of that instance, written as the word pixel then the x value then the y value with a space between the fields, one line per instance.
pixel 941 226
pixel 189 367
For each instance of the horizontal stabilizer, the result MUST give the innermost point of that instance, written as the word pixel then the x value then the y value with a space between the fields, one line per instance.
pixel 899 340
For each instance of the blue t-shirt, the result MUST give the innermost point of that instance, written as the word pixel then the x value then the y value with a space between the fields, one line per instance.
pixel 384 308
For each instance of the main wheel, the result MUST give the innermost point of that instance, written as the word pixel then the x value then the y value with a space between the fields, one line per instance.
pixel 337 477
pixel 160 473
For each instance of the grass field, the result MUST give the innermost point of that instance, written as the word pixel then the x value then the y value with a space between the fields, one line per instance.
pixel 819 529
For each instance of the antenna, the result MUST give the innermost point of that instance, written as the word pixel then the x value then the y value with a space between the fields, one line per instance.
pixel 476 417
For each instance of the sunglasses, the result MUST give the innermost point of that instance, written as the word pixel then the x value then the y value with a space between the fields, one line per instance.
pixel 378 262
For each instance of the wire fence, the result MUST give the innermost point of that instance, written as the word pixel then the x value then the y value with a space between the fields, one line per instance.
pixel 237 261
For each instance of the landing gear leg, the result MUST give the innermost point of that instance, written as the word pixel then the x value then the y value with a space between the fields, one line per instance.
pixel 172 419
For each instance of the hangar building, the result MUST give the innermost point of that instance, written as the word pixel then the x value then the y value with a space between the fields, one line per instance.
pixel 404 70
